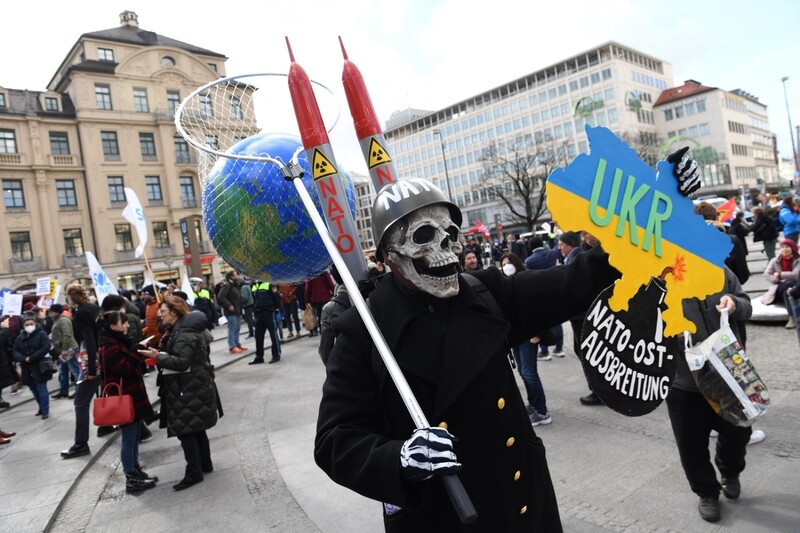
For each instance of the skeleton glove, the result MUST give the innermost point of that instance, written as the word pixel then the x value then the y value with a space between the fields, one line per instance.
pixel 428 452
pixel 685 170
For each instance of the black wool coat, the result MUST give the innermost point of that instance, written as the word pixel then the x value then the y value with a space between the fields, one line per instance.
pixel 453 353
pixel 34 346
pixel 7 377
pixel 186 376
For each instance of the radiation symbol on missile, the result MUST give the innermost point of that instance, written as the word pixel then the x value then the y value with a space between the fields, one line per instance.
pixel 377 155
pixel 322 166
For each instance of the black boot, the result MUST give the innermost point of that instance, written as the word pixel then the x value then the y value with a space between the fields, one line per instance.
pixel 135 484
pixel 187 482
pixel 144 475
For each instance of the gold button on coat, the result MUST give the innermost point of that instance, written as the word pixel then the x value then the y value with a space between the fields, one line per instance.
pixel 517 475
pixel 510 442
pixel 443 425
pixel 524 509
pixel 501 403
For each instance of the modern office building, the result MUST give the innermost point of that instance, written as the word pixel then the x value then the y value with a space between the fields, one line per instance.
pixel 365 195
pixel 729 133
pixel 611 85
pixel 104 123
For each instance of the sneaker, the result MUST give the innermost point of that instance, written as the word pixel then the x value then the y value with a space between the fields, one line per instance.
pixel 544 357
pixel 540 420
pixel 291 334
pixel 242 348
pixel 235 350
pixel 530 409
pixel 731 488
pixel 559 353
pixel 591 399
pixel 756 436
pixel 709 508
pixel 45 416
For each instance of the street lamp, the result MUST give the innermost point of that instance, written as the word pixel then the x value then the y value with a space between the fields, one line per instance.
pixel 791 129
pixel 444 156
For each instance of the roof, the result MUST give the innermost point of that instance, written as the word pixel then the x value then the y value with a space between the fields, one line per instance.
pixel 24 102
pixel 137 36
pixel 689 88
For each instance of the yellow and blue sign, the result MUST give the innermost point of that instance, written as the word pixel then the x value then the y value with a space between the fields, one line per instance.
pixel 647 227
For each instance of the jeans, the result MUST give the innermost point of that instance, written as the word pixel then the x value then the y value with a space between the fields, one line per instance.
pixel 290 313
pixel 41 395
pixel 84 392
pixel 527 366
pixel 234 325
pixel 197 453
pixel 265 321
pixel 317 306
pixel 692 420
pixel 129 447
pixel 64 370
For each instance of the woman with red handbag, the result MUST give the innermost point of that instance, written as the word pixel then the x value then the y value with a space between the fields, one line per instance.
pixel 120 364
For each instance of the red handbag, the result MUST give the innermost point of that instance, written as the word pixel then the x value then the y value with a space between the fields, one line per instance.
pixel 113 410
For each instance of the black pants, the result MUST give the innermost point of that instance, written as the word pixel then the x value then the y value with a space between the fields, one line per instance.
pixel 692 420
pixel 265 321
pixel 248 318
pixel 84 392
pixel 197 453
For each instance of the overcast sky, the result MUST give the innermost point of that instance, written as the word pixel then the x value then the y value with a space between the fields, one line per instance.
pixel 430 53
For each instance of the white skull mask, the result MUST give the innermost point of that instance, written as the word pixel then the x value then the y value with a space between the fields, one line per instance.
pixel 424 248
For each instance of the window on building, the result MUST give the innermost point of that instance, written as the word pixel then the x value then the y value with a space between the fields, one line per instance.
pixel 613 116
pixel 160 235
pixel 152 185
pixel 551 93
pixel 212 141
pixel 168 61
pixel 701 106
pixel 533 99
pixel 236 108
pixel 173 101
pixel 606 72
pixel 105 54
pixel 65 192
pixel 140 103
pixel 562 89
pixel 206 107
pixel 102 95
pixel 692 131
pixel 568 128
pixel 573 85
pixel 182 154
pixel 542 97
pixel 21 249
pixel 584 82
pixel 116 190
pixel 123 237
pixel 565 109
pixel 188 198
pixel 8 142
pixel 110 145
pixel 555 111
pixel 609 94
pixel 73 242
pixel 59 143
pixel 704 129
pixel 2 100
pixel 13 194
pixel 595 77
pixel 147 144
pixel 668 114
pixel 689 109
pixel 50 103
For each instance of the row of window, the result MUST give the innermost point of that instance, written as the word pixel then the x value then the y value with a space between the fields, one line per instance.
pixel 692 131
pixel 738 127
pixel 685 110
pixel 102 94
pixel 22 249
pixel 107 55
pixel 50 102
pixel 14 194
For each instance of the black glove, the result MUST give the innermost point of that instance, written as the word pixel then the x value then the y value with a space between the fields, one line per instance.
pixel 685 169
pixel 428 452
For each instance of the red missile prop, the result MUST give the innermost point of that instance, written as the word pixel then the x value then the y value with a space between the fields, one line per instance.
pixel 368 129
pixel 329 183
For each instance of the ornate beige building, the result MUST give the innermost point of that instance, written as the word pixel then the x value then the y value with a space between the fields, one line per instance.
pixel 104 123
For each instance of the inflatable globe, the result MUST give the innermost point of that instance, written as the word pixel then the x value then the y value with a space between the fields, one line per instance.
pixel 255 218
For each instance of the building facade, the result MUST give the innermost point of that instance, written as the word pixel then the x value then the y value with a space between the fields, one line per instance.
pixel 104 123
pixel 611 85
pixel 729 134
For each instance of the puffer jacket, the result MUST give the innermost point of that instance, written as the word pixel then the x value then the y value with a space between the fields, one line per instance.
pixel 190 402
pixel 34 346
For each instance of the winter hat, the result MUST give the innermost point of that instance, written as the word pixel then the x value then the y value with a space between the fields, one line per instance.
pixel 791 244
pixel 148 289
pixel 57 308
pixel 28 306
pixel 571 238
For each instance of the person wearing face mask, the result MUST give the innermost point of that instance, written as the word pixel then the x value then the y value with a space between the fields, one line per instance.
pixel 31 346
pixel 121 364
pixel 526 359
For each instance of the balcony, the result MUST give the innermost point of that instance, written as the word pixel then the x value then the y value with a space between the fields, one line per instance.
pixel 185 158
pixel 163 251
pixel 10 159
pixel 121 256
pixel 74 261
pixel 189 203
pixel 19 266
pixel 63 160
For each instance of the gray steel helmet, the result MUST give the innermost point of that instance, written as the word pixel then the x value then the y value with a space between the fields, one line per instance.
pixel 399 198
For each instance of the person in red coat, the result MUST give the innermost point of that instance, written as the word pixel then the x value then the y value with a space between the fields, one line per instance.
pixel 120 363
pixel 318 292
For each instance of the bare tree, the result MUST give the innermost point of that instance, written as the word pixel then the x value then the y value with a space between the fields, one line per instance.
pixel 516 173
pixel 645 144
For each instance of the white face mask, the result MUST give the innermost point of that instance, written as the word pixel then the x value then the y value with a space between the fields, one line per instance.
pixel 509 269
pixel 30 329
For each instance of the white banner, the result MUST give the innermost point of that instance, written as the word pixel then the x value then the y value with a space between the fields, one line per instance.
pixel 102 285
pixel 42 286
pixel 187 288
pixel 12 305
pixel 134 214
